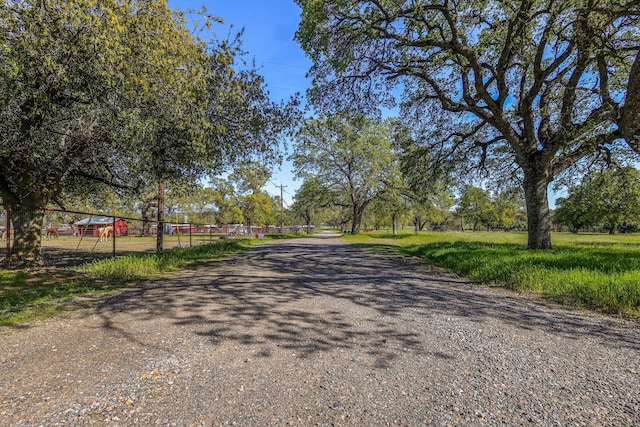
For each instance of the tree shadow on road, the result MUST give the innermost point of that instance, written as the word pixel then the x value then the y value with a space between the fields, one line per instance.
pixel 301 297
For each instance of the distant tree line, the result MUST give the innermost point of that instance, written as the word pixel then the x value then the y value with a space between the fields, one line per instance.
pixel 363 173
pixel 607 200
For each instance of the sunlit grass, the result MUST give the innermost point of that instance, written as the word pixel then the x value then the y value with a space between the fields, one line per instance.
pixel 143 266
pixel 26 296
pixel 601 272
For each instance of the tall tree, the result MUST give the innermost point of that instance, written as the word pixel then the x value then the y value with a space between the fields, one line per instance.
pixel 349 155
pixel 118 94
pixel 534 83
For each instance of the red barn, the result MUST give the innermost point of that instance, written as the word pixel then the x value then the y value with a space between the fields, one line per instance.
pixel 92 225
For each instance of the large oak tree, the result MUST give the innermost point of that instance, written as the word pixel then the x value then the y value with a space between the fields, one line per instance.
pixel 540 84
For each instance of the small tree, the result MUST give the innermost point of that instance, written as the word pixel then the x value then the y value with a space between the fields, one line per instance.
pixel 475 205
pixel 509 210
pixel 226 206
pixel 256 206
pixel 310 198
pixel 574 212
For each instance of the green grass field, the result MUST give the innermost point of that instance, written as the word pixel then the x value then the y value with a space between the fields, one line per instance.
pixel 599 272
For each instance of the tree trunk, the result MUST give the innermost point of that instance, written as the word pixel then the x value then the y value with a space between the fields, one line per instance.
pixel 395 223
pixel 630 114
pixel 146 220
pixel 535 185
pixel 357 220
pixel 27 241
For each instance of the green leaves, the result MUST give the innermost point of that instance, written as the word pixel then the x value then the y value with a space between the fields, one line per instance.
pixel 608 198
pixel 118 94
pixel 487 85
pixel 350 155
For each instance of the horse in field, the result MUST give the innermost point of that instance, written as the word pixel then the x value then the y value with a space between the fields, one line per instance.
pixel 104 233
pixel 52 232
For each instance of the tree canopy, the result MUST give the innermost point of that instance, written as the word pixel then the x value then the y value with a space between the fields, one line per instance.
pixel 608 198
pixel 349 155
pixel 530 86
pixel 310 199
pixel 111 94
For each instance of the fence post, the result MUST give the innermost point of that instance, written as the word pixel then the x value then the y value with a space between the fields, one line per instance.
pixel 190 244
pixel 113 223
pixel 7 209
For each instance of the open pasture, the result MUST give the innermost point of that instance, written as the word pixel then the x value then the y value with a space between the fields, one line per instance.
pixel 595 271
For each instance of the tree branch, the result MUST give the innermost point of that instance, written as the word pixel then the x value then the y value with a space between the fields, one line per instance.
pixel 587 147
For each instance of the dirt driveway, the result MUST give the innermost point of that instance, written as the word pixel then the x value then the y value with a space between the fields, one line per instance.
pixel 317 332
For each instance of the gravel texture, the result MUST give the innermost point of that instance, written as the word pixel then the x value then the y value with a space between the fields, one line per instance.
pixel 315 332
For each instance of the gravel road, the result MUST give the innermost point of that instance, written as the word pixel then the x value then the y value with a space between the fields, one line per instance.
pixel 316 332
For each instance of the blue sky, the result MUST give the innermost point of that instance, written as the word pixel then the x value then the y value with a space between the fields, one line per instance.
pixel 269 28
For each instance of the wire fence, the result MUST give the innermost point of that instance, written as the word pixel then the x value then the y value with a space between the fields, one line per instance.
pixel 72 237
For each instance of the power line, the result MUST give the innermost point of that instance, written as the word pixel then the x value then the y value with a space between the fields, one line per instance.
pixel 285 65
pixel 289 193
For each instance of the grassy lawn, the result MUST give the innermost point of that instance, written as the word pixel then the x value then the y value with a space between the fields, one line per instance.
pixel 595 271
pixel 36 294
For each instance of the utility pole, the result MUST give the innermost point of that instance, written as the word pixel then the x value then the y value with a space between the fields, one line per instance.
pixel 281 208
pixel 160 216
